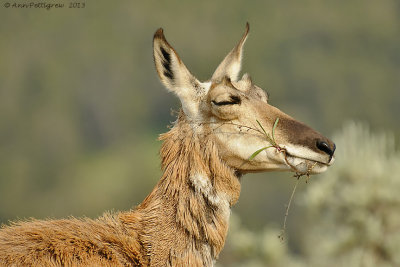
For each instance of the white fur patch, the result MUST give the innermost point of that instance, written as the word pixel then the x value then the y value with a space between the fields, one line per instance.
pixel 206 86
pixel 202 184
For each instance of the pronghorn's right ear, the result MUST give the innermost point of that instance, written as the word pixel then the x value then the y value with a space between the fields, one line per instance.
pixel 170 68
pixel 230 66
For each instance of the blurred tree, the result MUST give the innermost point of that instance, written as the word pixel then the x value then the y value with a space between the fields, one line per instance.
pixel 353 209
pixel 352 212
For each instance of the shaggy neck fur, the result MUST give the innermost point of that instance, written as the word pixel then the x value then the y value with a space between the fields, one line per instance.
pixel 185 218
pixel 183 222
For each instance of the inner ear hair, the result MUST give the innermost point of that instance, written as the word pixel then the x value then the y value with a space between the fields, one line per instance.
pixel 227 81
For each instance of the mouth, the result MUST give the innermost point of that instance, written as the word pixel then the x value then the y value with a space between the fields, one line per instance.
pixel 307 165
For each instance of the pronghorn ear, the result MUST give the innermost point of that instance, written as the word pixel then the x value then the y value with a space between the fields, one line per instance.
pixel 171 70
pixel 232 63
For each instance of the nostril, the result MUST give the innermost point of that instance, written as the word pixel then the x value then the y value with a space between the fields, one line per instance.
pixel 323 146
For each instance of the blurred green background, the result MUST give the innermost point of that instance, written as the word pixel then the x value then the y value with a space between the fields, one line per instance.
pixel 81 106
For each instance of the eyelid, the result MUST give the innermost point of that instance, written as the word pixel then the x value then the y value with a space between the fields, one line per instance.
pixel 233 101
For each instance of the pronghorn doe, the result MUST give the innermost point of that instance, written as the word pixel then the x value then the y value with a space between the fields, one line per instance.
pixel 184 220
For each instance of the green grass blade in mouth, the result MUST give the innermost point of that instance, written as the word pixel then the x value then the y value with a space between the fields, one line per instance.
pixel 259 124
pixel 273 130
pixel 258 152
pixel 269 138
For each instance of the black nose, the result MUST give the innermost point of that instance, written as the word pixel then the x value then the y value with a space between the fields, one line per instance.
pixel 323 146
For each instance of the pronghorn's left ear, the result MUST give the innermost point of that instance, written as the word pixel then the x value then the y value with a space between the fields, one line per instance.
pixel 230 66
pixel 171 70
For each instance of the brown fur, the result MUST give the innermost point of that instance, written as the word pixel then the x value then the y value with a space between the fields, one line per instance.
pixel 174 226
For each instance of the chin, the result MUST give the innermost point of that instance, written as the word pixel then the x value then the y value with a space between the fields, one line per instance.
pixel 307 166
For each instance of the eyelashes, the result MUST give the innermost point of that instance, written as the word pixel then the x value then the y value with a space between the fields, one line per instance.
pixel 234 100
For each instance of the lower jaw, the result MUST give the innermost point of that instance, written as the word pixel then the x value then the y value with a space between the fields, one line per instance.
pixel 297 165
pixel 305 166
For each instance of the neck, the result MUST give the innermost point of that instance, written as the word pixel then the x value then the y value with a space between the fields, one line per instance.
pixel 185 218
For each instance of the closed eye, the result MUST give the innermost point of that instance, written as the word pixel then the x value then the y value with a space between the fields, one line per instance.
pixel 234 100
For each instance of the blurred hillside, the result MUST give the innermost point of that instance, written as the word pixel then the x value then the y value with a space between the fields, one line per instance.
pixel 81 105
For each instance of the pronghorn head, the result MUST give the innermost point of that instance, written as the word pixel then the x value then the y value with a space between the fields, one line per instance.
pixel 236 114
